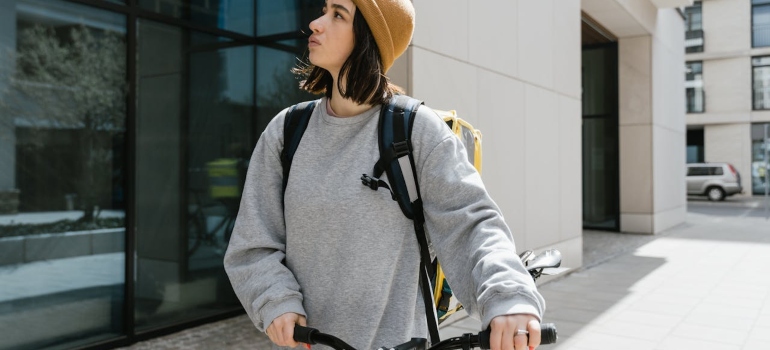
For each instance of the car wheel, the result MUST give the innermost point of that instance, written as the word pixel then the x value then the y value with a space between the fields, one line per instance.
pixel 715 194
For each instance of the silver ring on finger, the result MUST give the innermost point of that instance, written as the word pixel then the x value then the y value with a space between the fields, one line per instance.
pixel 521 332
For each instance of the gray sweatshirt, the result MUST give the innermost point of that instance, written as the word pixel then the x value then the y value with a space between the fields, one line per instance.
pixel 346 256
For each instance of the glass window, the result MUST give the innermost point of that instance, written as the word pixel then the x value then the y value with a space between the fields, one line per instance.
pixel 693 36
pixel 599 79
pixel 693 17
pixel 761 77
pixel 195 122
pixel 695 147
pixel 277 17
pixel 233 15
pixel 760 157
pixel 694 87
pixel 699 171
pixel 760 15
pixel 62 174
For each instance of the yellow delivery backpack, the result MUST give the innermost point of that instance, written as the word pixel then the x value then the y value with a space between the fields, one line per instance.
pixel 471 138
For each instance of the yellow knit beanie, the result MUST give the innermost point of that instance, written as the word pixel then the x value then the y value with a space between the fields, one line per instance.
pixel 391 23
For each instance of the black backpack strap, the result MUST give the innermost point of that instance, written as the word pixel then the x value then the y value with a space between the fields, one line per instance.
pixel 397 161
pixel 294 125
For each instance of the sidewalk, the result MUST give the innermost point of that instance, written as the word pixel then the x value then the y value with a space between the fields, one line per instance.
pixel 701 285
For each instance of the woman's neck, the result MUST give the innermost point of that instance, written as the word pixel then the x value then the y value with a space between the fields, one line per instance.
pixel 343 107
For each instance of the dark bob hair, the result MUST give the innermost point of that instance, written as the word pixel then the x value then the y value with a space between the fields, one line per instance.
pixel 365 81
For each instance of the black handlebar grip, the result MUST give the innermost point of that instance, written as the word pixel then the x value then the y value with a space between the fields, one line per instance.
pixel 547 335
pixel 304 334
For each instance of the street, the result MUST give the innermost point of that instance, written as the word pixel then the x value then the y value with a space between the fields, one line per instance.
pixel 730 207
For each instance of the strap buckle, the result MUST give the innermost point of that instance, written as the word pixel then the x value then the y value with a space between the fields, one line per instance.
pixel 375 183
pixel 370 182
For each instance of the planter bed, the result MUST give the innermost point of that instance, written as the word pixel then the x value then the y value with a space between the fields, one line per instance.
pixel 47 246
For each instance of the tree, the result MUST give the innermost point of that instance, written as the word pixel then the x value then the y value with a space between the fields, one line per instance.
pixel 72 78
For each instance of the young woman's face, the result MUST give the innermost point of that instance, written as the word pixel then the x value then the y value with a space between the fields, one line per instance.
pixel 332 40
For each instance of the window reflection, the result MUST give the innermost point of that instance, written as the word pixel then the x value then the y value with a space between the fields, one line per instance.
pixel 760 149
pixel 694 87
pixel 761 77
pixel 62 206
pixel 194 137
pixel 232 15
pixel 760 13
pixel 288 16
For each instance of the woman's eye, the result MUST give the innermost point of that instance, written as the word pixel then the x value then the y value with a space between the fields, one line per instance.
pixel 337 15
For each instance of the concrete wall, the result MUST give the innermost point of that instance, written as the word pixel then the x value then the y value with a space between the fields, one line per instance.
pixel 669 129
pixel 512 68
pixel 730 143
pixel 726 25
pixel 728 87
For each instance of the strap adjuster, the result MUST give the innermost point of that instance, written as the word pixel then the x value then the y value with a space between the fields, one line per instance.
pixel 401 148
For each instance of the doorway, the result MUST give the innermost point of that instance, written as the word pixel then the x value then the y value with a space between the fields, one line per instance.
pixel 601 168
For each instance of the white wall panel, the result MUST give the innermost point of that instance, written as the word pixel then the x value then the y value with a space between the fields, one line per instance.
pixel 636 162
pixel 730 143
pixel 443 82
pixel 566 47
pixel 442 26
pixel 501 121
pixel 727 84
pixel 635 80
pixel 726 25
pixel 494 42
pixel 669 169
pixel 536 40
pixel 570 167
pixel 541 166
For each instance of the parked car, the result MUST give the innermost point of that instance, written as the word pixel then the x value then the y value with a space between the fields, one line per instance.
pixel 713 180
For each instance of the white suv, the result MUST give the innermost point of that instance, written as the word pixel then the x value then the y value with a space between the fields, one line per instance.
pixel 714 180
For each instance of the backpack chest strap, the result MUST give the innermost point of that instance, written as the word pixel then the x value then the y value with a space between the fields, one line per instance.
pixel 396 155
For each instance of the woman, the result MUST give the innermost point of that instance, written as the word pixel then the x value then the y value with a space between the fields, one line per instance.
pixel 333 254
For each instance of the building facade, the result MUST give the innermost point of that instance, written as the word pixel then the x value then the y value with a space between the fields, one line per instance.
pixel 728 86
pixel 125 126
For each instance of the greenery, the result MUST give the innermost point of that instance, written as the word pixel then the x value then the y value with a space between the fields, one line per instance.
pixel 60 226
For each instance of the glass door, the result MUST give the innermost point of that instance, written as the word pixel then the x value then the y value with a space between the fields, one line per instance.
pixel 601 174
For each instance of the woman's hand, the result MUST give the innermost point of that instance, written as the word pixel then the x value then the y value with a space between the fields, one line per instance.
pixel 281 331
pixel 506 332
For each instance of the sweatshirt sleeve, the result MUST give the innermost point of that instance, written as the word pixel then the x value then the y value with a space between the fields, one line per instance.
pixel 467 230
pixel 254 260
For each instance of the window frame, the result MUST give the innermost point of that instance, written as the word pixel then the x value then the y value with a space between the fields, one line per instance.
pixel 753 82
pixel 754 5
pixel 690 32
pixel 689 64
